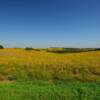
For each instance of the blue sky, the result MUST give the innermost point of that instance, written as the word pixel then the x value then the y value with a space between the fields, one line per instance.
pixel 48 23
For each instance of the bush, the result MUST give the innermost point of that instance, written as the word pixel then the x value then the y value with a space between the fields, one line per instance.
pixel 28 48
pixel 1 47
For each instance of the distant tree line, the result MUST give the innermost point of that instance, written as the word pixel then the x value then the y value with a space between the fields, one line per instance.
pixel 71 50
pixel 60 50
pixel 30 48
pixel 63 50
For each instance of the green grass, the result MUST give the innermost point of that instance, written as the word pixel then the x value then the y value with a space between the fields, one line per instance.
pixel 43 90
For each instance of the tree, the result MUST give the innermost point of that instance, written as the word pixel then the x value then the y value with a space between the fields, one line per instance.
pixel 1 47
pixel 28 48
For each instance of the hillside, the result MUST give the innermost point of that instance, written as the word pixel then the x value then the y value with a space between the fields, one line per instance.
pixel 20 64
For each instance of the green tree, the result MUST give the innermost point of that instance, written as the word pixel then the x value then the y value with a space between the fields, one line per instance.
pixel 1 47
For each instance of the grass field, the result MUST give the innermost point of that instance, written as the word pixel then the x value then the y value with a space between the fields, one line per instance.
pixel 41 75
pixel 41 90
pixel 19 64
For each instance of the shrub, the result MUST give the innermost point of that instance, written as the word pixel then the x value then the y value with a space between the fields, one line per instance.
pixel 28 48
pixel 1 47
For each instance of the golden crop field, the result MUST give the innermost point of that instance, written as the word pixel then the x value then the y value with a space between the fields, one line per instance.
pixel 19 64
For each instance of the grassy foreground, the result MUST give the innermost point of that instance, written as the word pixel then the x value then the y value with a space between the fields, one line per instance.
pixel 68 76
pixel 42 90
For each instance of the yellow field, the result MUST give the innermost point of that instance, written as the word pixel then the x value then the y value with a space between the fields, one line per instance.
pixel 19 64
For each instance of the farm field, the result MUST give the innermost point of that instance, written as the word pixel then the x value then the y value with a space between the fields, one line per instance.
pixel 41 75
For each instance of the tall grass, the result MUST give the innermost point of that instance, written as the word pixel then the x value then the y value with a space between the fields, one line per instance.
pixel 41 90
pixel 19 65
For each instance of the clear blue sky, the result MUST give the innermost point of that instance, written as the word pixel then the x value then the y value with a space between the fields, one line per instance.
pixel 43 23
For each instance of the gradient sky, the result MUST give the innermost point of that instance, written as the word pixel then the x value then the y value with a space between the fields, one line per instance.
pixel 48 23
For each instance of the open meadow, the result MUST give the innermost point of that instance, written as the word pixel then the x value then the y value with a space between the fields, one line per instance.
pixel 49 49
pixel 42 75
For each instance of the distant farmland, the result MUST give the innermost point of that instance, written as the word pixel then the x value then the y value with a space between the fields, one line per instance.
pixel 20 64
